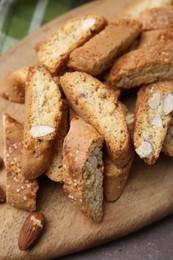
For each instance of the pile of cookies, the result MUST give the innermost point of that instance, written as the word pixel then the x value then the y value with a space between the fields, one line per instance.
pixel 76 130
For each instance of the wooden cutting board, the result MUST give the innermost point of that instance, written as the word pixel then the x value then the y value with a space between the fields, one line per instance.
pixel 148 195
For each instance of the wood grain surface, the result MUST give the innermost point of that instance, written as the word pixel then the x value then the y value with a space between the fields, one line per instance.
pixel 148 195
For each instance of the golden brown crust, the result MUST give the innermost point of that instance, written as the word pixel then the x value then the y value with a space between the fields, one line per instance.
pixel 136 7
pixel 91 100
pixel 153 116
pixel 53 53
pixel 94 57
pixel 82 159
pixel 143 66
pixel 20 193
pixel 56 170
pixel 42 120
pixel 150 38
pixel 12 85
pixel 157 18
pixel 115 179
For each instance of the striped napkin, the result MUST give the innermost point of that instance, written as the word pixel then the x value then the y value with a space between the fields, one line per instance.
pixel 19 18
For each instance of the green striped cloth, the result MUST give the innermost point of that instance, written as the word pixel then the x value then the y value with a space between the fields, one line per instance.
pixel 19 18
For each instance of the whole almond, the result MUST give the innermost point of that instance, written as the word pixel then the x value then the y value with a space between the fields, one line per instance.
pixel 31 230
pixel 2 195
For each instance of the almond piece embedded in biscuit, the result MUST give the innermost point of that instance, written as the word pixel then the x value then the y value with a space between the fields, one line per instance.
pixel 157 121
pixel 154 101
pixel 168 103
pixel 130 118
pixel 41 130
pixel 88 23
pixel 145 149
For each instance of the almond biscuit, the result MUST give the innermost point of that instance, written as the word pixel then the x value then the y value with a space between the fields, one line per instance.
pixel 42 119
pixel 82 159
pixel 20 193
pixel 54 51
pixel 115 179
pixel 152 120
pixel 157 18
pixel 150 38
pixel 94 57
pixel 136 7
pixel 12 85
pixel 143 66
pixel 56 170
pixel 92 101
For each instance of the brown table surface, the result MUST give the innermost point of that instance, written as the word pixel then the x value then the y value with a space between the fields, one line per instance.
pixel 153 242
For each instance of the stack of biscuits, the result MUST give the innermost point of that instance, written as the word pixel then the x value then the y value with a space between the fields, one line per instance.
pixel 77 131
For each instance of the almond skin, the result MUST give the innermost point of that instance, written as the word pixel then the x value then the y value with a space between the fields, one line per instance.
pixel 2 195
pixel 31 229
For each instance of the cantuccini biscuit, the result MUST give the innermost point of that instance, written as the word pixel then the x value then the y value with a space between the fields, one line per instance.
pixel 115 179
pixel 82 159
pixel 54 51
pixel 143 66
pixel 20 193
pixel 94 57
pixel 167 147
pixel 91 100
pixel 136 7
pixel 154 37
pixel 12 85
pixel 157 18
pixel 56 170
pixel 152 120
pixel 42 119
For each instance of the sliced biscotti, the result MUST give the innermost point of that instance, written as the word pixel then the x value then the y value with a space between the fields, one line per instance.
pixel 115 179
pixel 136 7
pixel 143 66
pixel 20 193
pixel 94 57
pixel 167 147
pixel 42 119
pixel 54 52
pixel 152 120
pixel 91 100
pixel 157 18
pixel 82 159
pixel 12 85
pixel 56 169
pixel 150 38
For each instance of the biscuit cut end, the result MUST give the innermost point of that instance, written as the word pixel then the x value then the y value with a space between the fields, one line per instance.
pixel 12 85
pixel 82 159
pixel 20 193
pixel 42 121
